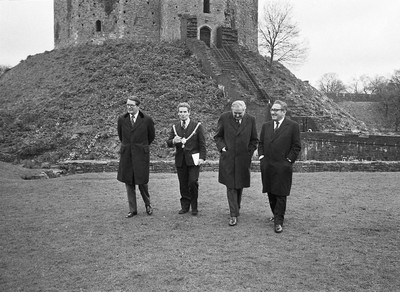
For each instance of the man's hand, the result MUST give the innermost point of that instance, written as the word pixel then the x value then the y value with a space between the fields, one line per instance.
pixel 201 161
pixel 177 140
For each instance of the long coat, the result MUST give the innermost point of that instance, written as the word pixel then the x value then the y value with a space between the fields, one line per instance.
pixel 278 148
pixel 240 143
pixel 135 148
pixel 196 144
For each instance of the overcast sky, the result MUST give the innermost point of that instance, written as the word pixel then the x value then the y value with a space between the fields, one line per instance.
pixel 347 37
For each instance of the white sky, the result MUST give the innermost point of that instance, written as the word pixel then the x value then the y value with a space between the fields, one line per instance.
pixel 347 37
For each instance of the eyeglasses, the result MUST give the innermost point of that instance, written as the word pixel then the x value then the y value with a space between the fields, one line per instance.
pixel 275 109
pixel 131 105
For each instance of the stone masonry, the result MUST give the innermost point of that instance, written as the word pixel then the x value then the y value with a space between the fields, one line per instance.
pixel 95 21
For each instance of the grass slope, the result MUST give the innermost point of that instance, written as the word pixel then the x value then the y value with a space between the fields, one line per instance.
pixel 65 103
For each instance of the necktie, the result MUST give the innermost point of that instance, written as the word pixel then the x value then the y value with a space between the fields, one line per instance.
pixel 238 122
pixel 276 126
pixel 184 124
pixel 132 120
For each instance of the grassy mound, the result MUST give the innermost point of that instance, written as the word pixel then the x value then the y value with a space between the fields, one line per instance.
pixel 64 104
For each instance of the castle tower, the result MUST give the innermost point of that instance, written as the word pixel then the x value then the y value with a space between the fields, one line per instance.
pixel 214 21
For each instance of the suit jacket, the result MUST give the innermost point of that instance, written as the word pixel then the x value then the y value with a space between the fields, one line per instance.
pixel 240 143
pixel 277 147
pixel 196 144
pixel 135 148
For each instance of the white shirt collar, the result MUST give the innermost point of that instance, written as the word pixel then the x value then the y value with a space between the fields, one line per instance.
pixel 187 121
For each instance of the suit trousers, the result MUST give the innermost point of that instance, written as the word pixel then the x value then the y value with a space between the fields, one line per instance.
pixel 188 185
pixel 278 207
pixel 131 192
pixel 234 200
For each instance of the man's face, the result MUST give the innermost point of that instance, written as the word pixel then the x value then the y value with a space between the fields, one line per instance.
pixel 238 112
pixel 183 113
pixel 132 107
pixel 277 113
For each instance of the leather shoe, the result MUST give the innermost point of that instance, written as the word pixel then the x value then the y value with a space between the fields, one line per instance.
pixel 149 210
pixel 195 212
pixel 131 214
pixel 233 221
pixel 182 211
pixel 278 228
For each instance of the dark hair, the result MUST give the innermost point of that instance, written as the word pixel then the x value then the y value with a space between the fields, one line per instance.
pixel 135 99
pixel 184 104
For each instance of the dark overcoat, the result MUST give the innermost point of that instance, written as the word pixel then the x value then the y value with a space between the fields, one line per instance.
pixel 278 148
pixel 135 148
pixel 240 143
pixel 196 144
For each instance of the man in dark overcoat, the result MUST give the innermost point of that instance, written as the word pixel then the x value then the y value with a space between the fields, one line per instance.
pixel 136 132
pixel 187 136
pixel 278 149
pixel 236 139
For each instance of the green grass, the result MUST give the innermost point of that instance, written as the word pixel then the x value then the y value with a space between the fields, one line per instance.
pixel 69 234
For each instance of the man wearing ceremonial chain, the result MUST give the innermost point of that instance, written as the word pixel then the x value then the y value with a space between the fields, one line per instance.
pixel 188 139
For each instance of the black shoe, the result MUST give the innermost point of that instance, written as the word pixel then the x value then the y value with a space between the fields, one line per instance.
pixel 182 211
pixel 131 214
pixel 232 221
pixel 149 210
pixel 278 228
pixel 195 212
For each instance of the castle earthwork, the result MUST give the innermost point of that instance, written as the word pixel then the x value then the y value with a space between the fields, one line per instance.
pixel 216 22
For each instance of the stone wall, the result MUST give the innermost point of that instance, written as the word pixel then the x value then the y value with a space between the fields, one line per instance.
pixel 78 22
pixel 333 147
pixel 75 22
pixel 355 97
pixel 84 166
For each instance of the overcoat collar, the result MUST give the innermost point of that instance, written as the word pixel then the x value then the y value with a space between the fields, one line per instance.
pixel 139 120
pixel 280 130
pixel 243 124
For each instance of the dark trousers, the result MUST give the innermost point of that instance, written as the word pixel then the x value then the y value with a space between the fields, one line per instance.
pixel 278 207
pixel 188 185
pixel 131 192
pixel 234 200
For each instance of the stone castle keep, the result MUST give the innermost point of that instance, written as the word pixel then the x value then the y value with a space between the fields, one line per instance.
pixel 216 22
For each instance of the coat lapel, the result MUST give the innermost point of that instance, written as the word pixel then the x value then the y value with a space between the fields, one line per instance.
pixel 138 121
pixel 280 129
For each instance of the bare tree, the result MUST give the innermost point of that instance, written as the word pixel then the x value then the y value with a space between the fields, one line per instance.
pixel 279 36
pixel 379 86
pixel 360 85
pixel 354 86
pixel 4 69
pixel 330 83
pixel 394 88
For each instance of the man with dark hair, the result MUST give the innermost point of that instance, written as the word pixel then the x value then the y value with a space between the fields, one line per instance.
pixel 278 149
pixel 136 132
pixel 188 139
pixel 236 140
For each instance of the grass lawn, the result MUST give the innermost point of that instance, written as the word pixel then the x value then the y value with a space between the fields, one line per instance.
pixel 70 234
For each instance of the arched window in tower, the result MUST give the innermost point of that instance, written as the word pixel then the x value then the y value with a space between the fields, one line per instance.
pixel 206 6
pixel 98 25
